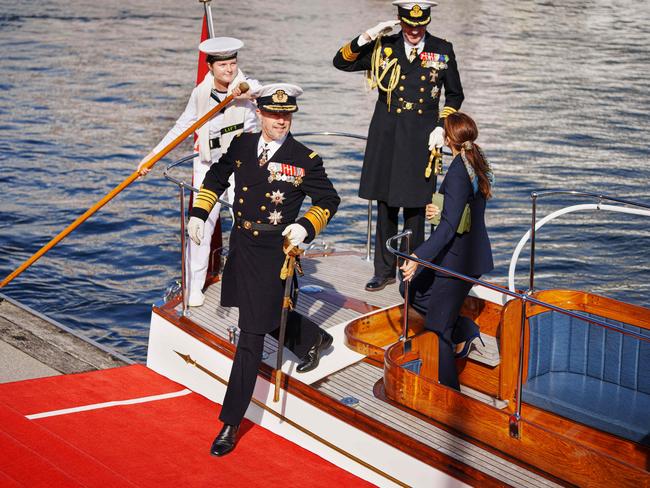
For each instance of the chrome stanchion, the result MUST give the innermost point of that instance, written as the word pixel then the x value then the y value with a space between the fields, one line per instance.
pixel 184 312
pixel 405 329
pixel 515 418
pixel 531 283
pixel 369 233
pixel 405 323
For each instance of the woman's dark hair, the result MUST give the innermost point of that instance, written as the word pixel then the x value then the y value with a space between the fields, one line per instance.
pixel 211 58
pixel 461 130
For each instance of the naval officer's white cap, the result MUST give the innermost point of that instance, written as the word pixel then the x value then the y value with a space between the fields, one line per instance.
pixel 221 48
pixel 278 97
pixel 414 13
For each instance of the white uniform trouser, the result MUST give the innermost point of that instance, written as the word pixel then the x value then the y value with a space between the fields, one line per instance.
pixel 198 256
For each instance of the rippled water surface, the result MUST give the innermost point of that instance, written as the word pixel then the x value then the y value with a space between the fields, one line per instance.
pixel 560 90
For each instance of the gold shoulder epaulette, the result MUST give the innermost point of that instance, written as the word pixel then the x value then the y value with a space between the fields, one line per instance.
pixel 313 155
pixel 348 54
pixel 318 217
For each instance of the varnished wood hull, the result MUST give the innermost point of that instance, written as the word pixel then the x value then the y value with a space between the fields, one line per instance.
pixel 547 442
pixel 570 451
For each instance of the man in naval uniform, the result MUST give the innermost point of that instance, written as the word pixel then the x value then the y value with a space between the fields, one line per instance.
pixel 273 175
pixel 213 138
pixel 409 69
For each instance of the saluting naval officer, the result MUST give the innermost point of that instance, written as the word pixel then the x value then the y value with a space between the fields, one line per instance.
pixel 273 175
pixel 213 138
pixel 410 69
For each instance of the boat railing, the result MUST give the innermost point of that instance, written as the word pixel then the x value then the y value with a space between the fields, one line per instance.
pixel 183 187
pixel 526 298
pixel 624 206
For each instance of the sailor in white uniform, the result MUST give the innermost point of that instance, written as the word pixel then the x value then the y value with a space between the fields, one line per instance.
pixel 213 138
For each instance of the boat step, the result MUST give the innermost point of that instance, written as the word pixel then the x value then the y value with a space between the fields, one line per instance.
pixel 483 397
pixel 488 354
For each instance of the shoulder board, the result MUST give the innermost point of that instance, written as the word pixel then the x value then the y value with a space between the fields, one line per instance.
pixel 313 155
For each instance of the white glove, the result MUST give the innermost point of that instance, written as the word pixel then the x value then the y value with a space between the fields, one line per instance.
pixel 195 229
pixel 378 30
pixel 436 138
pixel 296 234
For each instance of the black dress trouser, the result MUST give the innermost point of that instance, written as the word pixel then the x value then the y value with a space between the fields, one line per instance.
pixel 301 335
pixel 387 218
pixel 439 298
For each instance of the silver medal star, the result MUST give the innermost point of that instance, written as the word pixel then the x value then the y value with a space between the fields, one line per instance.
pixel 277 197
pixel 275 217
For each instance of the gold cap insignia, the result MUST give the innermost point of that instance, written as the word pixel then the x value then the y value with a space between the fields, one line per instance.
pixel 416 11
pixel 280 96
pixel 388 51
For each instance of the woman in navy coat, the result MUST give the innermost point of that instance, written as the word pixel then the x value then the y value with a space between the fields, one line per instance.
pixel 437 296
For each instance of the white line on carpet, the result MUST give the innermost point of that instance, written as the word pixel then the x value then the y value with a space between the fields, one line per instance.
pixel 96 406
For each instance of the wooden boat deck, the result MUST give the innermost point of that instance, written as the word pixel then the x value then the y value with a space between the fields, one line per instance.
pixel 342 277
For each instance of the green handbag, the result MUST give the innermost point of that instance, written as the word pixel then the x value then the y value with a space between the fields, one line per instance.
pixel 465 223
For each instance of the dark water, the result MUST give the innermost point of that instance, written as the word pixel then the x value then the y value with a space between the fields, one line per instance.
pixel 560 90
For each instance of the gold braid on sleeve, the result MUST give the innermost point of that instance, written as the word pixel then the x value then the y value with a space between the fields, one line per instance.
pixel 318 218
pixel 447 111
pixel 206 199
pixel 348 54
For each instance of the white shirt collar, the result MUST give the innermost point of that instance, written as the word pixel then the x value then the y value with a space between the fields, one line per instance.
pixel 273 146
pixel 408 46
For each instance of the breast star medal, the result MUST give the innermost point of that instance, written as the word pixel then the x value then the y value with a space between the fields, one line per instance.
pixel 277 197
pixel 275 217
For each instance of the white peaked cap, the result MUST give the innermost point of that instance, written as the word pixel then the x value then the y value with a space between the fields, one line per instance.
pixel 410 5
pixel 222 47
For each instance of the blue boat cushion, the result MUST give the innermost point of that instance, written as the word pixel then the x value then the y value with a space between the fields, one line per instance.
pixel 590 374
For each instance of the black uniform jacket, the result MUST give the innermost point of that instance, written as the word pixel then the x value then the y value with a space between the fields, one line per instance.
pixel 397 149
pixel 271 194
pixel 469 253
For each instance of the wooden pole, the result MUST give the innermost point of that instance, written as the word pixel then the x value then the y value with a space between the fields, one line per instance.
pixel 115 191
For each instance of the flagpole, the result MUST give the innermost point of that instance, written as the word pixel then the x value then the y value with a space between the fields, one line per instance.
pixel 208 16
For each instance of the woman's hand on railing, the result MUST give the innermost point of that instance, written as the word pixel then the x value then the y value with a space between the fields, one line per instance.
pixel 409 268
pixel 431 211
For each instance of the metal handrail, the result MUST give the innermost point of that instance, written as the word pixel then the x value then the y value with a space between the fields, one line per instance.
pixel 537 225
pixel 525 298
pixel 182 186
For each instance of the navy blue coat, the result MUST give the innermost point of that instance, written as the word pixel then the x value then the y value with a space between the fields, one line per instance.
pixel 469 253
pixel 251 276
pixel 397 150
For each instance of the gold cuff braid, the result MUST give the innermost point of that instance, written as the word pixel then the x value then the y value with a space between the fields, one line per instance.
pixel 206 199
pixel 447 111
pixel 318 218
pixel 348 55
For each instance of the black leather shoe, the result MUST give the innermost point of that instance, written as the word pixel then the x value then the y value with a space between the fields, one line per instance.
pixel 225 441
pixel 377 283
pixel 312 358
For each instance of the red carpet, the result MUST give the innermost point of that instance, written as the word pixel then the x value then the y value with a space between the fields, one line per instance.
pixel 158 443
